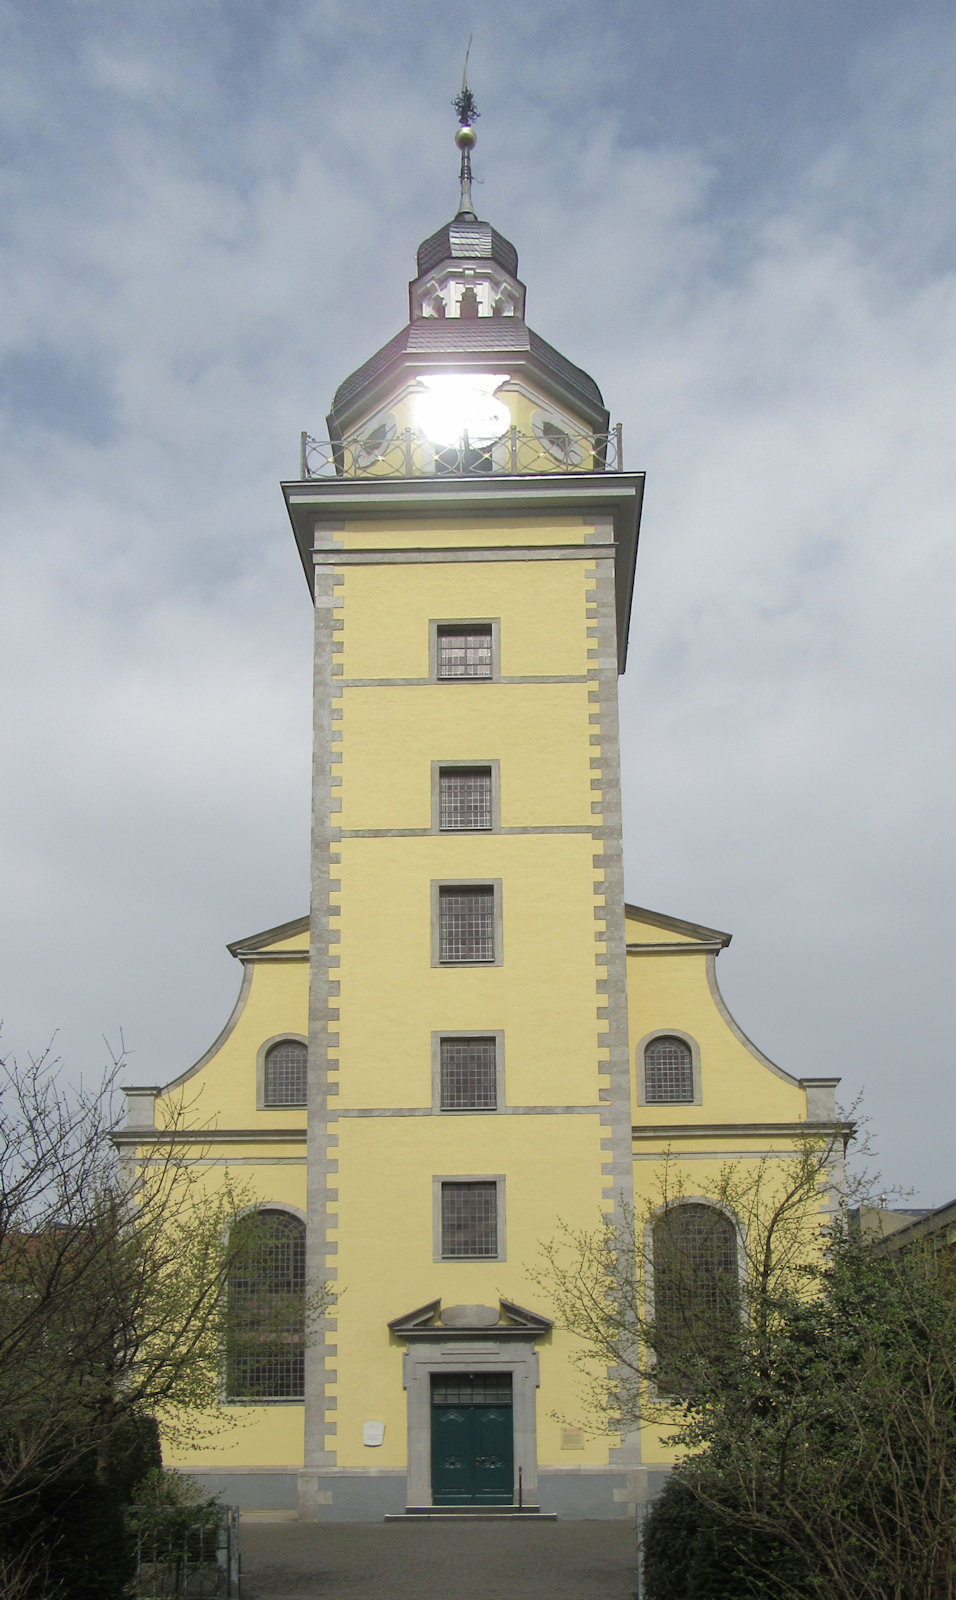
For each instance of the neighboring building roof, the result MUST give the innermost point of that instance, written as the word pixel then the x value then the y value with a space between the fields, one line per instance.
pixel 936 1227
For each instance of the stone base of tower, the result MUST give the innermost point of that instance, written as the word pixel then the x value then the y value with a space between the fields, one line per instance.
pixel 571 1493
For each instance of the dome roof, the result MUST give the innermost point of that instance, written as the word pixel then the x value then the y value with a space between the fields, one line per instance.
pixel 505 342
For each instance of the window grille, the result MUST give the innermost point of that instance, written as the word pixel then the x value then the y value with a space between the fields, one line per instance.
pixel 472 1389
pixel 464 798
pixel 668 1072
pixel 469 1075
pixel 696 1288
pixel 466 924
pixel 265 1334
pixel 464 652
pixel 285 1074
pixel 469 1220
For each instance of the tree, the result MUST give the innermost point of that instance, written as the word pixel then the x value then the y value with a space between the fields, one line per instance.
pixel 657 1298
pixel 826 1453
pixel 113 1280
pixel 808 1378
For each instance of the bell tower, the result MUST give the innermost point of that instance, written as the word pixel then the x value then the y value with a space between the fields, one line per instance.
pixel 469 536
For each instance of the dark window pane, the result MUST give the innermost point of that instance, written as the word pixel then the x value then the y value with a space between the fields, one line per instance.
pixel 464 653
pixel 468 1080
pixel 668 1072
pixel 286 1073
pixel 464 797
pixel 466 919
pixel 471 1389
pixel 469 1219
pixel 696 1290
pixel 265 1334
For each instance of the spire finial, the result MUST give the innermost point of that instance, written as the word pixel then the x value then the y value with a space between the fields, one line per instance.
pixel 465 139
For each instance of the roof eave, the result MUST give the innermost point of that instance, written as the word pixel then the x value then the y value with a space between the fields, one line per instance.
pixel 618 495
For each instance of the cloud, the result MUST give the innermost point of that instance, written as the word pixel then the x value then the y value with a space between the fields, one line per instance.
pixel 209 219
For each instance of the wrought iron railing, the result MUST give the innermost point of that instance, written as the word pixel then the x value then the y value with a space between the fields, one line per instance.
pixel 408 454
pixel 185 1552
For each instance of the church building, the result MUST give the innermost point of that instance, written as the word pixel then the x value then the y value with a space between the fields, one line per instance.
pixel 472 1038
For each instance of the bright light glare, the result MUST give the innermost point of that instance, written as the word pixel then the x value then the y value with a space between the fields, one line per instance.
pixel 456 403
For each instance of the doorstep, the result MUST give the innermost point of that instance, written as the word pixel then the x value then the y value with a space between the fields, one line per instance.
pixel 471 1514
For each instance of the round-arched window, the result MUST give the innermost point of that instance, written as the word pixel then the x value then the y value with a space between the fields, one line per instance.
pixel 265 1324
pixel 668 1071
pixel 696 1290
pixel 285 1074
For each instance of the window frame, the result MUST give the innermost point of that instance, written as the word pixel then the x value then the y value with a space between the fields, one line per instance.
pixel 438 625
pixel 438 1183
pixel 692 1045
pixel 493 765
pixel 438 884
pixel 497 1034
pixel 278 1038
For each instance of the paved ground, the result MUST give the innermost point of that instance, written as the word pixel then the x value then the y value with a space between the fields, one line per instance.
pixel 419 1561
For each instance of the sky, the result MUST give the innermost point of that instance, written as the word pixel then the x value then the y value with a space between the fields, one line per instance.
pixel 741 220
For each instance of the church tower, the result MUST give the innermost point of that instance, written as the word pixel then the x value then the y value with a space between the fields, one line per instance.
pixel 425 1080
pixel 470 540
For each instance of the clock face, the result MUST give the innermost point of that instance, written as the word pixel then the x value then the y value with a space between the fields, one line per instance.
pixel 455 404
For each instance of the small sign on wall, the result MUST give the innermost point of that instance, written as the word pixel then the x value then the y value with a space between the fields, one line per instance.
pixel 373 1432
pixel 572 1439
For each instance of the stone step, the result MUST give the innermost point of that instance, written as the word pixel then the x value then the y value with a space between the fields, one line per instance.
pixel 470 1514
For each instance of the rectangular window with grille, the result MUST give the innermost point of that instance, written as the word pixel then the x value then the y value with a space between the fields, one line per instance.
pixel 465 799
pixel 464 650
pixel 466 923
pixel 469 1221
pixel 471 1389
pixel 469 1074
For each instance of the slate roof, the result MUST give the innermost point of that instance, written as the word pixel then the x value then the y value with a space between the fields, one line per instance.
pixel 464 240
pixel 485 335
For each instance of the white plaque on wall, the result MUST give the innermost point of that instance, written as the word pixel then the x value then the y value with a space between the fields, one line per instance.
pixel 373 1432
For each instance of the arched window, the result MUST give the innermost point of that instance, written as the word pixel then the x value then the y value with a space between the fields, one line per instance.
pixel 696 1291
pixel 668 1071
pixel 285 1073
pixel 265 1326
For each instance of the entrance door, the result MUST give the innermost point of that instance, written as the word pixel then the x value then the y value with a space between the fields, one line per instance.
pixel 472 1439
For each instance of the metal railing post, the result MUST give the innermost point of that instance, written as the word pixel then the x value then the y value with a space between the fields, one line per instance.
pixel 620 447
pixel 303 458
pixel 513 441
pixel 408 453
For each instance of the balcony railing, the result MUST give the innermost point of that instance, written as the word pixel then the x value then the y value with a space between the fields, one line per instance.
pixel 408 454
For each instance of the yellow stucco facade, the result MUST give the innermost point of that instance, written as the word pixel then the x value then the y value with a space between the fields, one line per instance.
pixel 477 1001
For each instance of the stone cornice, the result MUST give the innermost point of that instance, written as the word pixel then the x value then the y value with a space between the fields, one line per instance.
pixel 204 1136
pixel 745 1130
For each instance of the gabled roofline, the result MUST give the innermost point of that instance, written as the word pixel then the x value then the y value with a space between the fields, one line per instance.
pixel 693 930
pixel 258 941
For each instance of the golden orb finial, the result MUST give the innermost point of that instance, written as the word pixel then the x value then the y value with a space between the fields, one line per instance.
pixel 466 138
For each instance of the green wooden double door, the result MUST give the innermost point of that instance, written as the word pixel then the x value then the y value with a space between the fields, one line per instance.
pixel 472 1439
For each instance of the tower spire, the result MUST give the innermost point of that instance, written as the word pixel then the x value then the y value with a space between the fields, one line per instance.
pixel 465 139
